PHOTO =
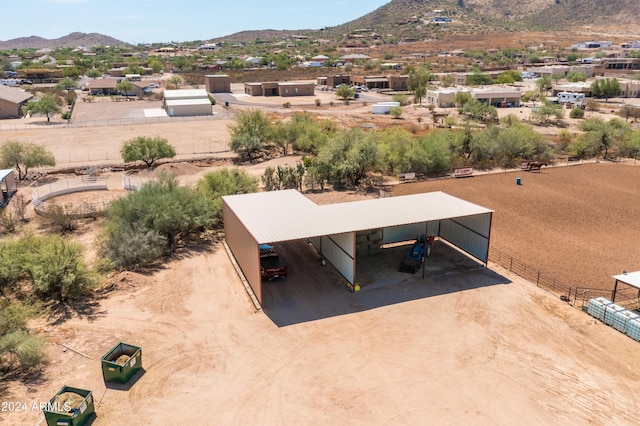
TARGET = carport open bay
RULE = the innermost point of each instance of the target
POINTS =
(312, 291)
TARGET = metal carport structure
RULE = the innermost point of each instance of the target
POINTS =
(632, 279)
(277, 216)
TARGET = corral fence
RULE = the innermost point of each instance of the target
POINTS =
(576, 296)
(129, 183)
(112, 122)
(42, 193)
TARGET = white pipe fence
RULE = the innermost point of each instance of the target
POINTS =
(41, 193)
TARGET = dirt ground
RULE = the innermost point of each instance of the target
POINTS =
(473, 347)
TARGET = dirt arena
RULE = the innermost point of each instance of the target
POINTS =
(480, 347)
(577, 223)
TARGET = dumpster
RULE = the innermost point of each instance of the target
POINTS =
(121, 363)
(70, 407)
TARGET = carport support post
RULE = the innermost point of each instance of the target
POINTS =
(615, 290)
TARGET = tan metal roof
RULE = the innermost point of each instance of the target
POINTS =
(14, 95)
(288, 215)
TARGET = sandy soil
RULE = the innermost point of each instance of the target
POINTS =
(485, 349)
(476, 347)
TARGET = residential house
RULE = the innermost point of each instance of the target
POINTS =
(107, 87)
(11, 101)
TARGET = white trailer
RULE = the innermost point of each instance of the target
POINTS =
(9, 81)
(570, 98)
(383, 107)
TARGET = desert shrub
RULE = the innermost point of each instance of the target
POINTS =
(330, 103)
(318, 102)
(576, 113)
(61, 218)
(212, 100)
(402, 98)
(65, 115)
(215, 185)
(130, 249)
(19, 205)
(8, 221)
(20, 351)
(57, 269)
(286, 105)
(396, 112)
(591, 104)
(163, 211)
(13, 316)
(279, 178)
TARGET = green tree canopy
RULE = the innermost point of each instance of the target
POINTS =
(146, 149)
(94, 73)
(175, 81)
(47, 105)
(477, 78)
(345, 92)
(418, 82)
(124, 86)
(24, 156)
(606, 88)
(215, 185)
(67, 84)
(250, 131)
(576, 76)
(600, 136)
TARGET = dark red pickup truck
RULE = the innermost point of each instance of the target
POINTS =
(271, 265)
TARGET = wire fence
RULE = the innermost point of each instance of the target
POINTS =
(578, 297)
(16, 126)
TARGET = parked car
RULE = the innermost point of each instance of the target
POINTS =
(153, 85)
(27, 82)
(271, 265)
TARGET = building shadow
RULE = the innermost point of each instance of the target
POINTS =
(126, 386)
(312, 292)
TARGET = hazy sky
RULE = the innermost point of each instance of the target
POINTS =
(142, 21)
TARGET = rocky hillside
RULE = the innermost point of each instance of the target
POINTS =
(70, 40)
(413, 19)
(404, 16)
(405, 19)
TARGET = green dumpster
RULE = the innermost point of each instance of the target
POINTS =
(70, 407)
(121, 363)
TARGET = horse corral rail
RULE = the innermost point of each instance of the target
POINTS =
(41, 193)
(576, 296)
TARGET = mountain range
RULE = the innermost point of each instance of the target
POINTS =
(404, 19)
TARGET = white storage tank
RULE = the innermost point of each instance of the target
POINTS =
(621, 320)
(610, 311)
(596, 307)
(633, 329)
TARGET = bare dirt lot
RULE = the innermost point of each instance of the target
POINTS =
(464, 346)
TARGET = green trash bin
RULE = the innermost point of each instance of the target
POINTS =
(69, 407)
(121, 363)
